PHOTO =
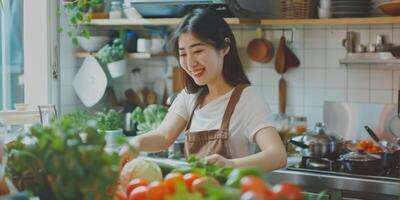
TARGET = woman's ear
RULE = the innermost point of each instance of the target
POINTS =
(227, 45)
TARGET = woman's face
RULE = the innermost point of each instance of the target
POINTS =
(200, 60)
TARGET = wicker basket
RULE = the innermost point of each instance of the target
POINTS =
(298, 9)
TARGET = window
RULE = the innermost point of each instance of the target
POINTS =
(11, 54)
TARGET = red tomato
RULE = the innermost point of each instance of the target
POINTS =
(189, 178)
(250, 195)
(156, 191)
(171, 180)
(139, 193)
(134, 183)
(256, 185)
(201, 184)
(120, 195)
(288, 191)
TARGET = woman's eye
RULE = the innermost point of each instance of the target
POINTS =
(198, 51)
(182, 55)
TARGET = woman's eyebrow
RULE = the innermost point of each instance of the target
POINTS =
(193, 45)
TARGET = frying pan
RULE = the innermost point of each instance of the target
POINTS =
(260, 49)
(394, 122)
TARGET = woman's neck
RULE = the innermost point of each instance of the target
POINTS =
(218, 88)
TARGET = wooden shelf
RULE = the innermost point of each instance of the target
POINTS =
(129, 55)
(160, 21)
(370, 58)
(333, 21)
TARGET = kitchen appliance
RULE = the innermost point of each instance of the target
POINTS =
(228, 8)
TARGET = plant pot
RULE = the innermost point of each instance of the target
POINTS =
(98, 11)
(111, 137)
(117, 69)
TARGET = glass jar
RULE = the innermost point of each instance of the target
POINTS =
(298, 125)
(115, 10)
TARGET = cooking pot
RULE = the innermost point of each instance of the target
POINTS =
(360, 162)
(317, 144)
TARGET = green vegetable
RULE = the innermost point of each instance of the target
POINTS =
(149, 118)
(237, 174)
(109, 120)
(202, 168)
(63, 161)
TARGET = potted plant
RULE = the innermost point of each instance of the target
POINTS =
(78, 13)
(110, 123)
(55, 162)
(114, 57)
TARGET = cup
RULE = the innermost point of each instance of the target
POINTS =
(144, 45)
(350, 42)
(360, 48)
(325, 4)
(157, 45)
(324, 13)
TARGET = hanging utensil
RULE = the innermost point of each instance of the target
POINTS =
(282, 95)
(260, 49)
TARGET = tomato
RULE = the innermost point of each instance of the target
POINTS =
(288, 190)
(171, 180)
(250, 195)
(134, 183)
(189, 178)
(201, 184)
(156, 191)
(120, 195)
(139, 193)
(256, 185)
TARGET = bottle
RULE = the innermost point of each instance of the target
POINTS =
(115, 10)
(131, 41)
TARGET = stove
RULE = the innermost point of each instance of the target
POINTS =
(334, 167)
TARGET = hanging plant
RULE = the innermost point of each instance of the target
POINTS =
(76, 12)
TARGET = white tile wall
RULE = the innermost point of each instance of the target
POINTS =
(319, 78)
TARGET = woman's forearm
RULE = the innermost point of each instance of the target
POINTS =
(152, 141)
(267, 160)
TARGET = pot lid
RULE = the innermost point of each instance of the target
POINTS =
(318, 135)
(360, 156)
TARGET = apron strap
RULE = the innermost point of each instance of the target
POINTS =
(231, 105)
(198, 101)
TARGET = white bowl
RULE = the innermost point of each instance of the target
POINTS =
(94, 43)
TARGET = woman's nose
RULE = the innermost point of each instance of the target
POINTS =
(191, 61)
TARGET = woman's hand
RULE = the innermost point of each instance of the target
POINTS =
(219, 160)
(128, 153)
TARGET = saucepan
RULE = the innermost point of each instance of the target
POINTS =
(330, 149)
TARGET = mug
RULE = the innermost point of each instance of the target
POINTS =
(157, 45)
(144, 45)
(350, 42)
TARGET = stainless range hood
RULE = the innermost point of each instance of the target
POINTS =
(227, 8)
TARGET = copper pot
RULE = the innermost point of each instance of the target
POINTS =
(260, 49)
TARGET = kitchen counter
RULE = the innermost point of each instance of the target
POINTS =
(340, 185)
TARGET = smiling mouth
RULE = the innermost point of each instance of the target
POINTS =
(198, 73)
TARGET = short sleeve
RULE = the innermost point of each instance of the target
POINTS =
(255, 113)
(180, 105)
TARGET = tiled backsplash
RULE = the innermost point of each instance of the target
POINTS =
(320, 77)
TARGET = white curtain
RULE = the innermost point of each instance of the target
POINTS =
(11, 53)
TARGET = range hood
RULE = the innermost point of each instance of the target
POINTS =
(227, 8)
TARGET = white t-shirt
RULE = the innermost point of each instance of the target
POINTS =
(250, 115)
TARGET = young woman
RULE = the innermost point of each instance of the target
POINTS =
(218, 110)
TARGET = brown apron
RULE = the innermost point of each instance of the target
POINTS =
(216, 141)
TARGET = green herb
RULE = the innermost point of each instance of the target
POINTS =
(113, 53)
(76, 13)
(149, 118)
(63, 162)
(109, 120)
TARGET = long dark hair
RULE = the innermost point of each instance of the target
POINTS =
(212, 29)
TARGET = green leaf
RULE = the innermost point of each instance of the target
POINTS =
(58, 13)
(79, 16)
(60, 29)
(75, 41)
(85, 33)
(69, 33)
